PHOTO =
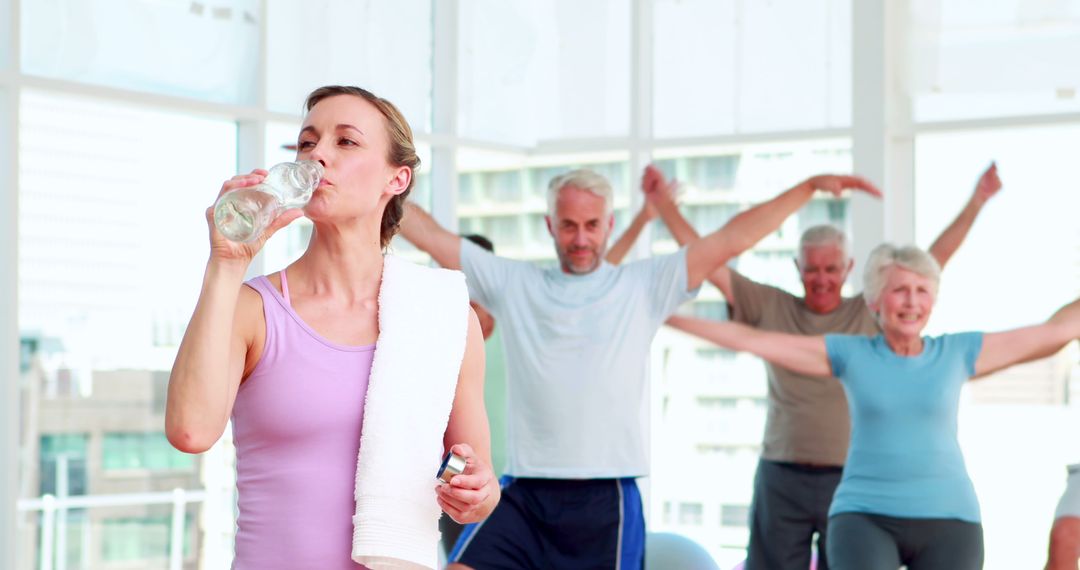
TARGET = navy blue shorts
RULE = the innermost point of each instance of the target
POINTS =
(558, 523)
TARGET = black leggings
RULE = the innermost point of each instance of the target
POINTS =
(861, 541)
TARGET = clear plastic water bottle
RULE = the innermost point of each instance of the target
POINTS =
(241, 215)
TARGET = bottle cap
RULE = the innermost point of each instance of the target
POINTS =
(452, 464)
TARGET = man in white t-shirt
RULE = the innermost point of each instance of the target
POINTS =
(576, 341)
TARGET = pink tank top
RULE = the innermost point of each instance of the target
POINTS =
(296, 425)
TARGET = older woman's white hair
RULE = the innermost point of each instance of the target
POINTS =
(585, 180)
(907, 257)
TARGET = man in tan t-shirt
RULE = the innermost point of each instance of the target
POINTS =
(807, 427)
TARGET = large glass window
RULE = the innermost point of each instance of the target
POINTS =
(970, 59)
(384, 47)
(1020, 263)
(533, 71)
(112, 230)
(726, 67)
(113, 244)
(199, 50)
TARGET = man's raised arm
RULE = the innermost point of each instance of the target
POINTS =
(746, 229)
(660, 193)
(425, 233)
(622, 246)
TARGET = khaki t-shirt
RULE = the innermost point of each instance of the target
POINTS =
(807, 419)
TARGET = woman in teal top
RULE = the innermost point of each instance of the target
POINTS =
(905, 496)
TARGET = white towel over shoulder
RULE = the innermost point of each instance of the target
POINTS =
(423, 323)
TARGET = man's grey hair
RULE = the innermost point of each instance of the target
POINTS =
(907, 257)
(584, 179)
(824, 235)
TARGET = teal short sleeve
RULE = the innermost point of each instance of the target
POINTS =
(970, 346)
(838, 347)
